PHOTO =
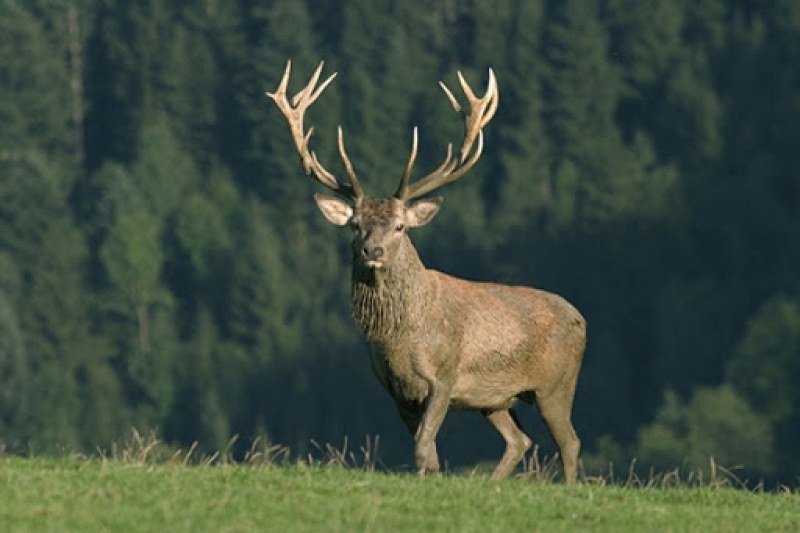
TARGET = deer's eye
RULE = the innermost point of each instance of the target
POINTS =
(399, 226)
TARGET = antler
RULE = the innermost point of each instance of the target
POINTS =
(293, 112)
(481, 112)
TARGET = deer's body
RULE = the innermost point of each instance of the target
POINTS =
(476, 345)
(438, 342)
(486, 343)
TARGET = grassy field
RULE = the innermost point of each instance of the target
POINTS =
(76, 494)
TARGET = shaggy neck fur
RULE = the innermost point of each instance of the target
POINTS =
(388, 301)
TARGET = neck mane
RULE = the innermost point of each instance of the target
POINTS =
(389, 301)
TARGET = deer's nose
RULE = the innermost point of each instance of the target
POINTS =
(372, 253)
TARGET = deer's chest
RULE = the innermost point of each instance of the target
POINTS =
(401, 373)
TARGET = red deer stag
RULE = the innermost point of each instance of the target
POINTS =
(435, 341)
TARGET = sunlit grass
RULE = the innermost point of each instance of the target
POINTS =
(143, 485)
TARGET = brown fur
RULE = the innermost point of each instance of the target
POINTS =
(438, 342)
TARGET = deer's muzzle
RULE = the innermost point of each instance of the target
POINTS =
(372, 253)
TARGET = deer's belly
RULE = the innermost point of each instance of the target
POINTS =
(484, 393)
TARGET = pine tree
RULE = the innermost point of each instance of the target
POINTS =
(764, 369)
(524, 184)
(35, 109)
(266, 159)
(14, 398)
(45, 305)
(46, 311)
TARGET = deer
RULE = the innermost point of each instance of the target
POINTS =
(438, 342)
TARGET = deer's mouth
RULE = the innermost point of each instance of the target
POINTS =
(373, 264)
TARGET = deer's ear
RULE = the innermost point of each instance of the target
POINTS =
(421, 212)
(337, 211)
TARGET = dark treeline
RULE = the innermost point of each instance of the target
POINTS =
(162, 265)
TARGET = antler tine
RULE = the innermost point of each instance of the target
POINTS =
(348, 166)
(493, 102)
(284, 83)
(293, 113)
(308, 94)
(449, 171)
(453, 100)
(402, 189)
(481, 111)
(465, 87)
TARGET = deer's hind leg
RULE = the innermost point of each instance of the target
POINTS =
(517, 442)
(556, 410)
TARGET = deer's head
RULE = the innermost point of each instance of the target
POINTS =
(379, 224)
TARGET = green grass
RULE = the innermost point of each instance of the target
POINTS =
(78, 494)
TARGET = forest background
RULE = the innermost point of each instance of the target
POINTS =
(163, 267)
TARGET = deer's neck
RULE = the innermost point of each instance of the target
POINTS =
(391, 300)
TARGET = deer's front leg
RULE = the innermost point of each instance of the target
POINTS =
(412, 417)
(435, 411)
